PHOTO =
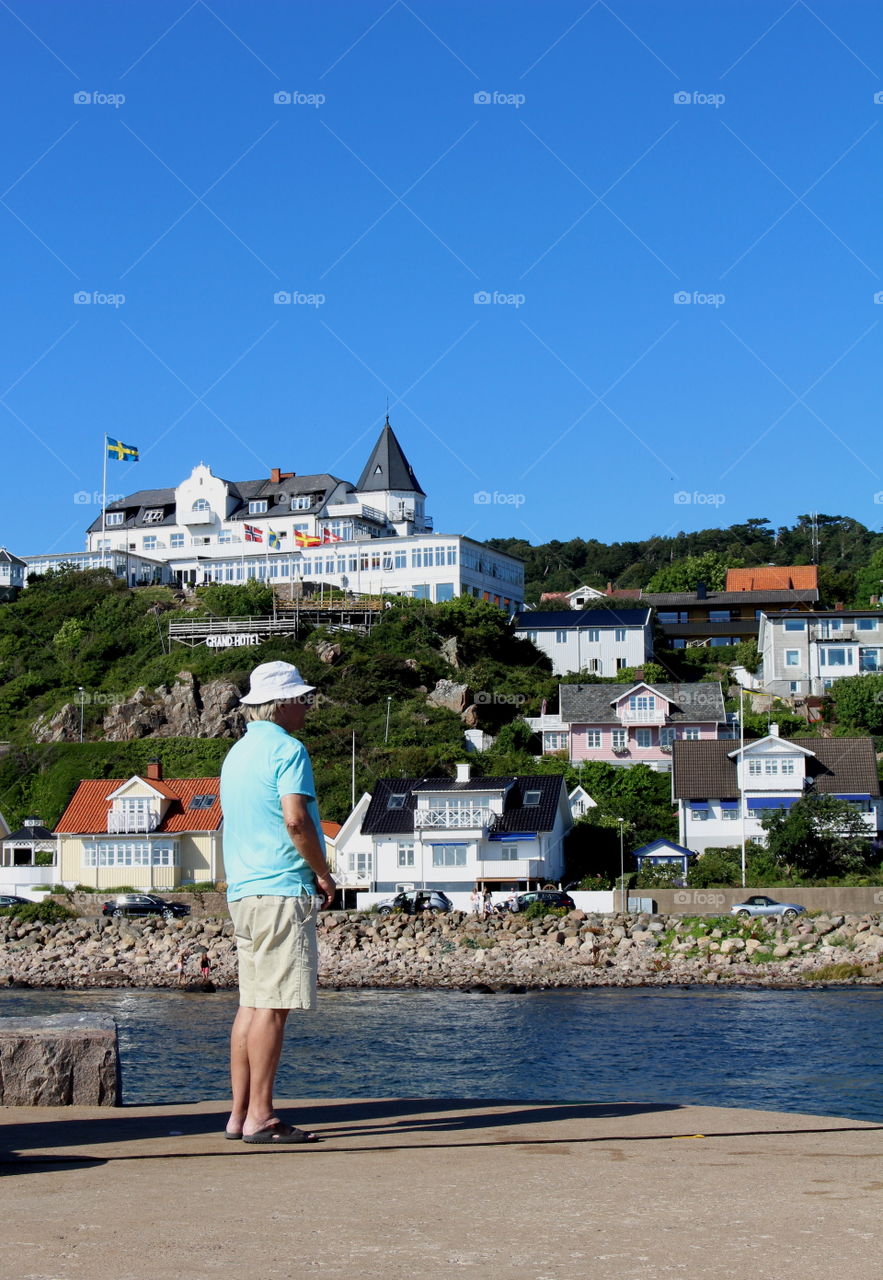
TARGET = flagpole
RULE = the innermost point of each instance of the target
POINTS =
(104, 503)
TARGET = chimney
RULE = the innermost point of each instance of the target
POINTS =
(154, 771)
(875, 600)
(774, 731)
(839, 606)
(701, 591)
(464, 772)
(277, 476)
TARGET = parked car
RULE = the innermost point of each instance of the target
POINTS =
(144, 904)
(760, 905)
(10, 900)
(414, 900)
(548, 897)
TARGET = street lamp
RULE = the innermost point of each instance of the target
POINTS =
(386, 732)
(622, 899)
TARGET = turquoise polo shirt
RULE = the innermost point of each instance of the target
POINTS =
(259, 855)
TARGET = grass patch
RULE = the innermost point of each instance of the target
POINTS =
(836, 973)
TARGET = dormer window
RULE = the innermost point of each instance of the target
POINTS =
(301, 503)
(531, 797)
(202, 801)
(257, 507)
(114, 517)
(642, 702)
(154, 515)
(396, 801)
(200, 504)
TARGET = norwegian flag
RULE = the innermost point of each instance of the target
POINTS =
(252, 534)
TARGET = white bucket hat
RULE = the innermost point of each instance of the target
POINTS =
(275, 680)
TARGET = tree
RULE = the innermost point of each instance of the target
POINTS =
(857, 702)
(869, 581)
(818, 836)
(685, 575)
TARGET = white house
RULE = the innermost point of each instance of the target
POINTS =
(601, 641)
(580, 802)
(28, 857)
(804, 653)
(12, 574)
(371, 538)
(716, 787)
(354, 853)
(452, 833)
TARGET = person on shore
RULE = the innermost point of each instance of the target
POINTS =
(205, 967)
(488, 903)
(274, 857)
(475, 901)
(181, 966)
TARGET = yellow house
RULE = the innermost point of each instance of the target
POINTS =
(150, 832)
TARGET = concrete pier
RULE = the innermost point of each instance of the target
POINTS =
(439, 1188)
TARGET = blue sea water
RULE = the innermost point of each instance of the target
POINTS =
(812, 1051)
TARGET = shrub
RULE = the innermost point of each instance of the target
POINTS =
(39, 912)
(538, 910)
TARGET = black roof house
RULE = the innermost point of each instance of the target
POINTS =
(391, 811)
(388, 468)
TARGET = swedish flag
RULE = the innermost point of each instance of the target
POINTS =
(121, 452)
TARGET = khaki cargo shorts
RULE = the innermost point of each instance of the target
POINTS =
(277, 951)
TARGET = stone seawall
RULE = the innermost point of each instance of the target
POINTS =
(457, 951)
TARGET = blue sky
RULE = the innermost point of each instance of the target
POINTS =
(484, 212)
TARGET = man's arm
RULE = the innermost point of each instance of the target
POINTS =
(305, 839)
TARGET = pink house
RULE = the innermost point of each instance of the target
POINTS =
(632, 724)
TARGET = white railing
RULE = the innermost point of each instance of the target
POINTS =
(452, 819)
(522, 869)
(642, 717)
(132, 823)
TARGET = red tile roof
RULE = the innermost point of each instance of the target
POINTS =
(86, 814)
(786, 577)
(331, 829)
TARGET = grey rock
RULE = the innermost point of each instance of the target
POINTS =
(449, 694)
(59, 1060)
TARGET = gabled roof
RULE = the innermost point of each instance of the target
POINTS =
(706, 770)
(6, 557)
(516, 816)
(774, 577)
(595, 703)
(387, 467)
(86, 814)
(570, 619)
(670, 599)
(30, 833)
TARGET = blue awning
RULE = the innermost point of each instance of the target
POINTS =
(768, 802)
(855, 799)
(435, 844)
(509, 836)
(698, 804)
(729, 804)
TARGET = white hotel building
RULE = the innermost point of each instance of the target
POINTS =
(374, 537)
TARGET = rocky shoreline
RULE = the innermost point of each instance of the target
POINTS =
(361, 950)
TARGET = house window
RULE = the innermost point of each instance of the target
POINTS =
(593, 664)
(620, 664)
(444, 591)
(361, 863)
(644, 737)
(148, 542)
(729, 815)
(795, 624)
(619, 739)
(508, 852)
(302, 503)
(554, 741)
(792, 657)
(561, 637)
(449, 855)
(794, 686)
(829, 657)
(396, 801)
(400, 559)
(673, 615)
(699, 810)
(532, 636)
(114, 517)
(129, 853)
(642, 702)
(176, 540)
(866, 624)
(788, 766)
(531, 797)
(405, 854)
(257, 507)
(755, 768)
(667, 737)
(593, 739)
(719, 615)
(770, 767)
(691, 734)
(869, 659)
(593, 635)
(199, 505)
(619, 635)
(154, 516)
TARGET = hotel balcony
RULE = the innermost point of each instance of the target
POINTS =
(453, 819)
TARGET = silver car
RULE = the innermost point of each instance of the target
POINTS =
(759, 905)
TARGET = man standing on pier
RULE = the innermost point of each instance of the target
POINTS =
(274, 859)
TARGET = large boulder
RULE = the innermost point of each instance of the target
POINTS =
(450, 695)
(64, 726)
(139, 716)
(221, 713)
(181, 707)
(60, 1060)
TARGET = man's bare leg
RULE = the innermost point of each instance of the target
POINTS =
(255, 1049)
(240, 1075)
